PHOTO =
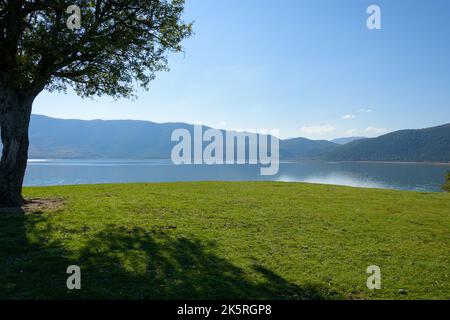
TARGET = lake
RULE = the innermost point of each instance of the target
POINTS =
(402, 176)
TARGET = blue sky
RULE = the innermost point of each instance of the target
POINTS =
(307, 68)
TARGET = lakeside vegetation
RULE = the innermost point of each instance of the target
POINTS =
(248, 240)
(446, 186)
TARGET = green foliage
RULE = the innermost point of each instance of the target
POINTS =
(446, 186)
(228, 240)
(120, 44)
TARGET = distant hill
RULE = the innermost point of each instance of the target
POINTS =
(430, 144)
(114, 139)
(347, 140)
(302, 148)
(131, 139)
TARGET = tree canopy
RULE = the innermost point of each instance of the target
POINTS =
(97, 47)
(120, 44)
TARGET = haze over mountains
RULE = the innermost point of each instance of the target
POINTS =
(131, 139)
(347, 140)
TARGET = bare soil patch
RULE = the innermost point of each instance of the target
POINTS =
(36, 206)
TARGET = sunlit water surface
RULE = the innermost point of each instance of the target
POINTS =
(404, 176)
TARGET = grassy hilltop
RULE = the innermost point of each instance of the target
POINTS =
(228, 240)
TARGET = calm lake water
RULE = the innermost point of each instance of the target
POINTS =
(421, 177)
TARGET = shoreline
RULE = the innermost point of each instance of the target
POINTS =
(394, 162)
(368, 161)
(37, 160)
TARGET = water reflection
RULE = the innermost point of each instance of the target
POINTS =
(423, 177)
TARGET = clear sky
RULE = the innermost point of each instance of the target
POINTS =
(305, 67)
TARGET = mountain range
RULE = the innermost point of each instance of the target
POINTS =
(133, 139)
(430, 144)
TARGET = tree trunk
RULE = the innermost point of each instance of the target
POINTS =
(15, 113)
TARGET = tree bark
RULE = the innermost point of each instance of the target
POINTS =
(15, 113)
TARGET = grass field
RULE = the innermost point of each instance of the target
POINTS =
(249, 240)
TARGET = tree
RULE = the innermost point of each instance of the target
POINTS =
(118, 45)
(446, 186)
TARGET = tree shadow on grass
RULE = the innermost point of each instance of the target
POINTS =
(128, 263)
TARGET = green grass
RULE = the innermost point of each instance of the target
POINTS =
(250, 240)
